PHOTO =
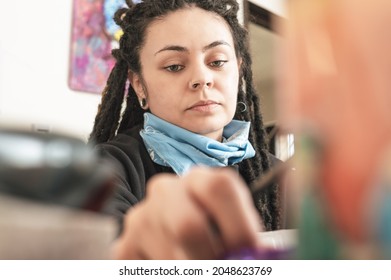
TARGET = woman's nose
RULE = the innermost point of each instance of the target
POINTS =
(201, 77)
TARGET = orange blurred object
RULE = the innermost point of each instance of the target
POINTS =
(336, 84)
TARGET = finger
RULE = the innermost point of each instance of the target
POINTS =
(143, 236)
(185, 223)
(125, 246)
(224, 195)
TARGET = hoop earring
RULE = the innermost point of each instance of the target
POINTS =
(143, 103)
(244, 106)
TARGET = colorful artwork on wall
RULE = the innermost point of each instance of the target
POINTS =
(94, 34)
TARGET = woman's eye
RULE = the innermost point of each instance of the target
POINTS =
(218, 63)
(174, 68)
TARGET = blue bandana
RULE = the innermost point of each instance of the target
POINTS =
(170, 145)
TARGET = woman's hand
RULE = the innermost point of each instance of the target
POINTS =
(202, 215)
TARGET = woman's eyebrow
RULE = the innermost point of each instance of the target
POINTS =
(172, 48)
(215, 44)
(178, 48)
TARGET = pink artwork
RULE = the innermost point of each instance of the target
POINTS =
(94, 34)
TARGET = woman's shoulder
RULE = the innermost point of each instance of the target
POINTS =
(125, 147)
(128, 148)
(128, 141)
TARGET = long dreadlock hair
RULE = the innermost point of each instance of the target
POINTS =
(111, 119)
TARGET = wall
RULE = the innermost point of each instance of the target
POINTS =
(34, 54)
(263, 44)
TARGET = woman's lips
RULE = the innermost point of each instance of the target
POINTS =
(204, 106)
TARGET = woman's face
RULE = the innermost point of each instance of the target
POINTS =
(190, 72)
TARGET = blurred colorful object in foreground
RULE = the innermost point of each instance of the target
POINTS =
(336, 90)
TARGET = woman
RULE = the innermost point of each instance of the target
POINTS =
(189, 73)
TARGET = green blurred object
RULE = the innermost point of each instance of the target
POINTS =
(316, 238)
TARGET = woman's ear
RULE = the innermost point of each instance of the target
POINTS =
(137, 85)
(240, 67)
(240, 60)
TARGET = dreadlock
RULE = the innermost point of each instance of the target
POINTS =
(108, 122)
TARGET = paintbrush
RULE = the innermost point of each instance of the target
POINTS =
(274, 175)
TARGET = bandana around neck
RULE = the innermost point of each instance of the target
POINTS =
(180, 149)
